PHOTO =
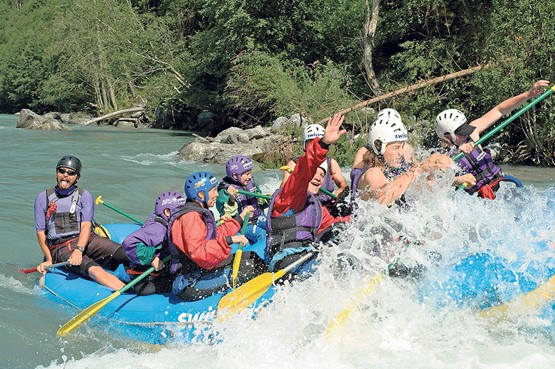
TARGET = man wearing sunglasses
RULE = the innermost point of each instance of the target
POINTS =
(63, 220)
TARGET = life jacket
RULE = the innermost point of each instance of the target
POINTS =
(63, 215)
(243, 200)
(327, 184)
(392, 173)
(148, 237)
(480, 163)
(356, 175)
(180, 263)
(293, 230)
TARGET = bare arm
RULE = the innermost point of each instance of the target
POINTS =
(337, 177)
(506, 107)
(291, 164)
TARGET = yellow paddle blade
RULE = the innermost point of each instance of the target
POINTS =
(242, 297)
(235, 270)
(285, 167)
(524, 304)
(346, 313)
(86, 314)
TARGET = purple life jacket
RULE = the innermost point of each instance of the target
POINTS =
(152, 233)
(66, 221)
(180, 262)
(293, 230)
(243, 200)
(480, 163)
(327, 184)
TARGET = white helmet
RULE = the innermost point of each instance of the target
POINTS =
(324, 166)
(386, 130)
(389, 114)
(447, 122)
(312, 131)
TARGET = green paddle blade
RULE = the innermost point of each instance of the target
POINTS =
(86, 314)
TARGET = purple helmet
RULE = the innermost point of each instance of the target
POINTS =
(238, 164)
(199, 182)
(168, 200)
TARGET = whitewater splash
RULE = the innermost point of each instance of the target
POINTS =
(401, 323)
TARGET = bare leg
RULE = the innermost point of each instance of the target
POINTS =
(104, 278)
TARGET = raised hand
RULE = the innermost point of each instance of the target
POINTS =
(333, 129)
(538, 88)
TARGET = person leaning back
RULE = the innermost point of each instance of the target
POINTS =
(63, 221)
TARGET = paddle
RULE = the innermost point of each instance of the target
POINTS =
(255, 194)
(323, 190)
(524, 109)
(242, 297)
(522, 304)
(362, 293)
(33, 270)
(93, 309)
(238, 254)
(100, 201)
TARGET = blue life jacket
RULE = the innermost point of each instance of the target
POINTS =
(292, 232)
(66, 221)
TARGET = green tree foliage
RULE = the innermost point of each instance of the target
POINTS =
(247, 62)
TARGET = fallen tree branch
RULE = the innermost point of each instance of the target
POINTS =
(411, 88)
(115, 114)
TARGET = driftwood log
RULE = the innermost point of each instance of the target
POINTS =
(412, 88)
(115, 114)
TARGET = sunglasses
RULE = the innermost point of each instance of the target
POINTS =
(69, 172)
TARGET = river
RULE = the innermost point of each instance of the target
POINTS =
(393, 329)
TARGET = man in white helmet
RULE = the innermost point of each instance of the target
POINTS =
(388, 173)
(452, 128)
(332, 176)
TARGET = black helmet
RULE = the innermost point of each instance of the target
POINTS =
(70, 161)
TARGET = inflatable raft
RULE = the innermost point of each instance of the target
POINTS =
(152, 319)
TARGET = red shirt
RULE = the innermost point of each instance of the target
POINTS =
(294, 195)
(189, 235)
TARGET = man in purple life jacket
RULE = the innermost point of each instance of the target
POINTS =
(63, 220)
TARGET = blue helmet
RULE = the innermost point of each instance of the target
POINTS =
(199, 182)
(168, 200)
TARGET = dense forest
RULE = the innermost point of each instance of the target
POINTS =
(243, 63)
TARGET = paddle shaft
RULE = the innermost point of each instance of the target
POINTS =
(509, 120)
(238, 254)
(254, 194)
(100, 201)
(93, 309)
(33, 270)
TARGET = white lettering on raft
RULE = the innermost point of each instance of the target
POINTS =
(205, 316)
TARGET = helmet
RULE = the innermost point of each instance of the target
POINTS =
(324, 166)
(386, 130)
(390, 114)
(312, 131)
(447, 122)
(199, 182)
(69, 161)
(238, 164)
(168, 200)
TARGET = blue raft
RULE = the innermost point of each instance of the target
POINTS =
(152, 319)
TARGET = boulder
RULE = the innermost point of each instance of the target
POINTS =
(218, 151)
(31, 120)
